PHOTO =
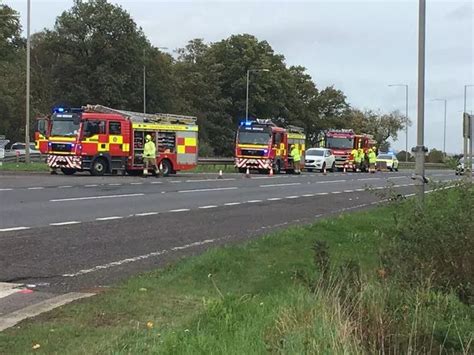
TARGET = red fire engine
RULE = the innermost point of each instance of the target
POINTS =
(261, 145)
(342, 142)
(104, 140)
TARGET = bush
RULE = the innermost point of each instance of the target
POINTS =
(433, 243)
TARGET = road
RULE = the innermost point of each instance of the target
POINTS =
(68, 234)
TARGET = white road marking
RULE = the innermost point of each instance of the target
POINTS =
(146, 214)
(175, 181)
(64, 223)
(115, 184)
(232, 203)
(206, 190)
(136, 183)
(108, 218)
(180, 210)
(274, 199)
(397, 177)
(254, 201)
(7, 289)
(137, 258)
(36, 188)
(207, 207)
(91, 185)
(336, 192)
(206, 180)
(157, 182)
(348, 190)
(276, 185)
(14, 229)
(94, 197)
(359, 190)
(367, 179)
(322, 193)
(64, 187)
(330, 182)
(291, 197)
(308, 195)
(6, 189)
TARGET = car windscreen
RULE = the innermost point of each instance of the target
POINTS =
(64, 127)
(340, 143)
(385, 157)
(315, 152)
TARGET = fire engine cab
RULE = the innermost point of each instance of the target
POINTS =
(261, 145)
(105, 140)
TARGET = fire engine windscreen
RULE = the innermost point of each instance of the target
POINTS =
(254, 135)
(340, 143)
(64, 125)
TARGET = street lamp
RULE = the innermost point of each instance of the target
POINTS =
(247, 97)
(444, 136)
(27, 124)
(406, 117)
(144, 77)
(465, 96)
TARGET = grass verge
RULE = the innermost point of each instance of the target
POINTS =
(23, 167)
(268, 295)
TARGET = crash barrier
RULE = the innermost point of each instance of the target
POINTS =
(20, 158)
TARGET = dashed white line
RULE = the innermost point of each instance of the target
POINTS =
(6, 189)
(322, 193)
(330, 182)
(254, 201)
(207, 207)
(336, 192)
(367, 179)
(64, 223)
(207, 180)
(157, 182)
(91, 185)
(359, 190)
(175, 181)
(348, 190)
(146, 214)
(36, 188)
(291, 197)
(64, 187)
(108, 218)
(308, 195)
(206, 190)
(94, 197)
(274, 199)
(136, 183)
(276, 185)
(14, 229)
(115, 184)
(180, 210)
(232, 203)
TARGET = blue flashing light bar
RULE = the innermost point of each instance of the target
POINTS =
(67, 110)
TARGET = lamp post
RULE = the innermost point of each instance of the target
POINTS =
(247, 96)
(406, 117)
(444, 135)
(144, 77)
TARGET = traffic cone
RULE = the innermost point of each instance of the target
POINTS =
(220, 174)
(324, 170)
(247, 173)
(344, 170)
(271, 171)
(161, 169)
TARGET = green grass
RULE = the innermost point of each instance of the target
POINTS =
(24, 167)
(253, 298)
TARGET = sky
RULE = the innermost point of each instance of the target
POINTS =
(360, 47)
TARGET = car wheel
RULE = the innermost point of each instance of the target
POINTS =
(68, 171)
(323, 167)
(167, 168)
(99, 167)
(333, 167)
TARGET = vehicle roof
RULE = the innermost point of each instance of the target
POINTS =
(318, 148)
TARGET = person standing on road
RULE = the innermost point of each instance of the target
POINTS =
(361, 159)
(372, 160)
(295, 154)
(149, 156)
(355, 158)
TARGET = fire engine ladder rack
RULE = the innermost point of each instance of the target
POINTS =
(164, 118)
(295, 129)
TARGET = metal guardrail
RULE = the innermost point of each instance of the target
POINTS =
(35, 158)
(216, 161)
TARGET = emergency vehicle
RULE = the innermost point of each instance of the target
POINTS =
(341, 142)
(105, 140)
(261, 145)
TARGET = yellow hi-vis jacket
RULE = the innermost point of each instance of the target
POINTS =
(295, 154)
(150, 150)
(355, 155)
(372, 158)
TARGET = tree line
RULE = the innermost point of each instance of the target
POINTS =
(96, 53)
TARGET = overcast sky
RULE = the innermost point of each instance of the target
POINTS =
(358, 46)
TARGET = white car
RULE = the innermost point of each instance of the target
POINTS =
(20, 148)
(461, 167)
(319, 159)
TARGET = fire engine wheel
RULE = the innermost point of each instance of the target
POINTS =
(277, 169)
(167, 168)
(99, 167)
(242, 170)
(68, 171)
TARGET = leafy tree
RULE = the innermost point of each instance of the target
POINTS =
(435, 156)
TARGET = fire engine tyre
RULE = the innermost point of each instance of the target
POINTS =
(68, 171)
(277, 169)
(99, 167)
(242, 170)
(167, 167)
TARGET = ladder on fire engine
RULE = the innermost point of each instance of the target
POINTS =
(163, 118)
(295, 129)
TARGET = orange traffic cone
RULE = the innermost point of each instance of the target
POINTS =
(220, 174)
(271, 171)
(247, 173)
